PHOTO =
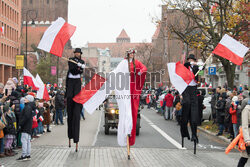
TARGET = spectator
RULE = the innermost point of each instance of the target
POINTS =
(177, 106)
(10, 85)
(169, 98)
(246, 135)
(228, 123)
(46, 116)
(59, 106)
(220, 107)
(2, 125)
(233, 113)
(200, 106)
(26, 127)
(9, 130)
(213, 105)
(40, 118)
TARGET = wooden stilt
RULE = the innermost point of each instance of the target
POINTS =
(128, 147)
(182, 142)
(194, 146)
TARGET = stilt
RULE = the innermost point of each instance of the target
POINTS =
(76, 147)
(194, 146)
(182, 142)
(128, 147)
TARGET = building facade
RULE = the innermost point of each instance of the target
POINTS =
(47, 10)
(10, 22)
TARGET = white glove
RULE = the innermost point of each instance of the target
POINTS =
(200, 68)
(191, 62)
(83, 66)
(79, 64)
(139, 73)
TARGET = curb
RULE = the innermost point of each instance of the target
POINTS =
(214, 134)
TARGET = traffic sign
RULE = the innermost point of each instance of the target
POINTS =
(211, 70)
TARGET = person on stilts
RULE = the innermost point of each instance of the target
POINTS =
(73, 87)
(190, 105)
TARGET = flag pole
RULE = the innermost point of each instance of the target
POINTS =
(69, 60)
(128, 147)
(204, 63)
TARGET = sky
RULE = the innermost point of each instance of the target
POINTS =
(102, 20)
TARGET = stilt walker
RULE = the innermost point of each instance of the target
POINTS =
(73, 87)
(137, 78)
(190, 105)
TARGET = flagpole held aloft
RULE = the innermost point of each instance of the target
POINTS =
(69, 60)
(204, 63)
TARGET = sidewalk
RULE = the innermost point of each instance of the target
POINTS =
(56, 156)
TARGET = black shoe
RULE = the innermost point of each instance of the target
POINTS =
(48, 130)
(22, 158)
(83, 118)
(28, 157)
(62, 123)
(218, 134)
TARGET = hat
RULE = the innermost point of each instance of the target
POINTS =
(132, 50)
(78, 50)
(15, 80)
(191, 56)
(235, 98)
(29, 98)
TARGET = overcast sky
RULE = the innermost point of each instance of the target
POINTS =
(103, 20)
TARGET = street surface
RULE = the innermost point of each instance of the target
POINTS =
(159, 144)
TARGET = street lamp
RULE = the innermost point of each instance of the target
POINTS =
(32, 14)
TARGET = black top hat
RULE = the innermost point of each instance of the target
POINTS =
(191, 56)
(78, 50)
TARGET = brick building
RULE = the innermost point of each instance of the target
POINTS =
(10, 20)
(47, 10)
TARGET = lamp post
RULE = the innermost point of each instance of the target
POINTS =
(33, 17)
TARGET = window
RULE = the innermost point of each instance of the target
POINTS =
(31, 1)
(47, 1)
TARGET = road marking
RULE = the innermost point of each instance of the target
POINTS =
(165, 135)
(99, 125)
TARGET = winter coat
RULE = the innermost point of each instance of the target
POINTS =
(245, 116)
(220, 107)
(200, 108)
(233, 113)
(26, 119)
(59, 101)
(169, 98)
(10, 127)
(46, 114)
(227, 107)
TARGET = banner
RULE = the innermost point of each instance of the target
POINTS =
(53, 70)
(19, 61)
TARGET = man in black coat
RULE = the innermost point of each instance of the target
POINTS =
(25, 127)
(59, 106)
(190, 103)
(73, 87)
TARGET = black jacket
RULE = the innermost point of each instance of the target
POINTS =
(9, 128)
(195, 69)
(59, 101)
(26, 119)
(73, 68)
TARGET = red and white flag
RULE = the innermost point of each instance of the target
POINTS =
(231, 50)
(37, 111)
(42, 93)
(2, 29)
(41, 118)
(29, 80)
(56, 36)
(180, 76)
(99, 88)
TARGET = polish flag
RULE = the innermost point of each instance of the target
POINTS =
(37, 111)
(29, 80)
(42, 93)
(180, 76)
(126, 91)
(41, 118)
(2, 29)
(56, 36)
(231, 50)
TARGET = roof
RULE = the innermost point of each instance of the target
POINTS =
(123, 34)
(116, 49)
